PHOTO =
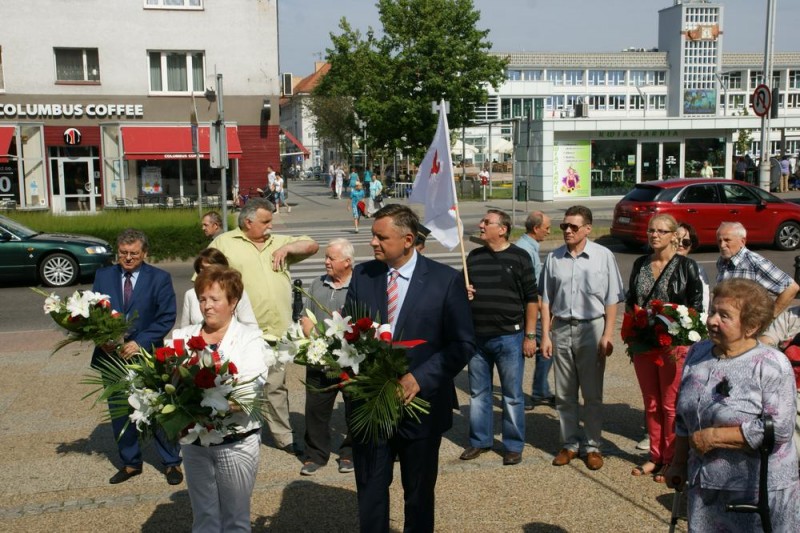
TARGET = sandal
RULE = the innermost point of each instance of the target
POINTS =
(661, 475)
(644, 470)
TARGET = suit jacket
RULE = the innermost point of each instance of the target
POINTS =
(435, 310)
(153, 300)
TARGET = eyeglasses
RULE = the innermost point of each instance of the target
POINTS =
(488, 222)
(651, 231)
(572, 227)
(685, 243)
(132, 255)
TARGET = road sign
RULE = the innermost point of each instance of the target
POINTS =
(762, 100)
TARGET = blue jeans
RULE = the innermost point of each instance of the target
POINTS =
(541, 388)
(504, 352)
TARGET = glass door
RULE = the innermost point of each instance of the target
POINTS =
(76, 189)
(650, 163)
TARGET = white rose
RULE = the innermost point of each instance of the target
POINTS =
(694, 336)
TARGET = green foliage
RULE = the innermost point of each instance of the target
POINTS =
(430, 50)
(745, 138)
(174, 234)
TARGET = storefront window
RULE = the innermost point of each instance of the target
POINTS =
(613, 167)
(699, 150)
(33, 170)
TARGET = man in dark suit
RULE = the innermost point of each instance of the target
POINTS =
(145, 292)
(428, 302)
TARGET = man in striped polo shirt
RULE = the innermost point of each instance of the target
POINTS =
(503, 298)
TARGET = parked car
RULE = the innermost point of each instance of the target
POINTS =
(705, 204)
(54, 259)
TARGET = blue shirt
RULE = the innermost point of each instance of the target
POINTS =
(750, 265)
(531, 245)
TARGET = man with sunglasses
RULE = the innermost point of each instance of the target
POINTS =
(145, 294)
(504, 304)
(580, 289)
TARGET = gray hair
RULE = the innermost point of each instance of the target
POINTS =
(131, 235)
(736, 227)
(533, 221)
(248, 212)
(214, 217)
(345, 247)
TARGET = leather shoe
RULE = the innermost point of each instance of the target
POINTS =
(594, 461)
(512, 458)
(564, 457)
(174, 475)
(471, 453)
(124, 475)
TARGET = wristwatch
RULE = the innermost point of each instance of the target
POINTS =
(530, 336)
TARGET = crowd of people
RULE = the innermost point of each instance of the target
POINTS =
(704, 405)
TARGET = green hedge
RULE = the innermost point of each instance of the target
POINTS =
(174, 234)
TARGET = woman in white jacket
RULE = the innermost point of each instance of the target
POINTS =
(191, 307)
(220, 477)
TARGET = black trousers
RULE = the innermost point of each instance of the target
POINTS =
(374, 469)
(319, 409)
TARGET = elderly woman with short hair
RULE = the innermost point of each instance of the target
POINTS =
(729, 383)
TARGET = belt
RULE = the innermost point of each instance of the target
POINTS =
(575, 321)
(230, 439)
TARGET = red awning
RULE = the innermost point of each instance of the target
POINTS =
(295, 142)
(168, 142)
(6, 133)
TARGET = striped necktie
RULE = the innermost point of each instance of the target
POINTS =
(127, 290)
(392, 296)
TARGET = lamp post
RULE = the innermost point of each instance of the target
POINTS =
(763, 168)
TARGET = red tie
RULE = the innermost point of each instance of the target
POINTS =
(127, 290)
(392, 296)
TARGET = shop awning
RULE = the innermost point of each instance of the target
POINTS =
(295, 142)
(6, 133)
(168, 142)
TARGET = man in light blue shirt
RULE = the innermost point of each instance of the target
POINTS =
(537, 228)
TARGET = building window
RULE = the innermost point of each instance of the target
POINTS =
(635, 102)
(733, 80)
(657, 101)
(532, 75)
(77, 64)
(794, 78)
(793, 101)
(513, 75)
(173, 4)
(616, 77)
(616, 101)
(757, 78)
(556, 77)
(573, 77)
(176, 72)
(597, 102)
(597, 77)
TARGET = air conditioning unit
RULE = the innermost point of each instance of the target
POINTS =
(287, 84)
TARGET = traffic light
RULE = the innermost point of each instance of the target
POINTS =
(776, 96)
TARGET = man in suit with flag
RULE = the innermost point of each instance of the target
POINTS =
(425, 300)
(144, 293)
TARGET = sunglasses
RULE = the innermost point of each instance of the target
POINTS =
(572, 227)
(659, 231)
(685, 243)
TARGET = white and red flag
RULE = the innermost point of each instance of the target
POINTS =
(435, 188)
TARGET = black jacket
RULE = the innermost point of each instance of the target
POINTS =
(684, 286)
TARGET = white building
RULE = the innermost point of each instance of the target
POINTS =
(605, 121)
(96, 99)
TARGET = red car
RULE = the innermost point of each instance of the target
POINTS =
(705, 204)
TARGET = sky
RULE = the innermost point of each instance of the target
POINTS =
(537, 26)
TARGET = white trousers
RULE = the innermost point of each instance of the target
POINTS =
(220, 480)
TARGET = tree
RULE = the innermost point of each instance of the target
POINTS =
(744, 137)
(333, 120)
(430, 50)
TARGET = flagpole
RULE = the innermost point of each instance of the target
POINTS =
(461, 244)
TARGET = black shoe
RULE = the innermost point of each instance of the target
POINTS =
(512, 458)
(124, 475)
(471, 453)
(291, 449)
(174, 475)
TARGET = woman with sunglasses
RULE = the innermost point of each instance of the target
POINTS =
(688, 241)
(667, 276)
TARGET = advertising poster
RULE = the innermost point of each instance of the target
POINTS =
(699, 102)
(151, 180)
(571, 165)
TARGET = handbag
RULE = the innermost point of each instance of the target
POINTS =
(378, 198)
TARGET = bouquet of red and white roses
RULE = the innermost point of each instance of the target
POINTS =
(188, 390)
(87, 316)
(362, 354)
(657, 328)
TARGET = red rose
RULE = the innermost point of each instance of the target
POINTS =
(115, 314)
(640, 319)
(232, 368)
(178, 345)
(664, 340)
(162, 354)
(193, 360)
(657, 305)
(204, 379)
(104, 303)
(693, 312)
(364, 324)
(196, 343)
(351, 336)
(386, 336)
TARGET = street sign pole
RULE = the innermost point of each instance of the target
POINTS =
(196, 150)
(763, 168)
(219, 152)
